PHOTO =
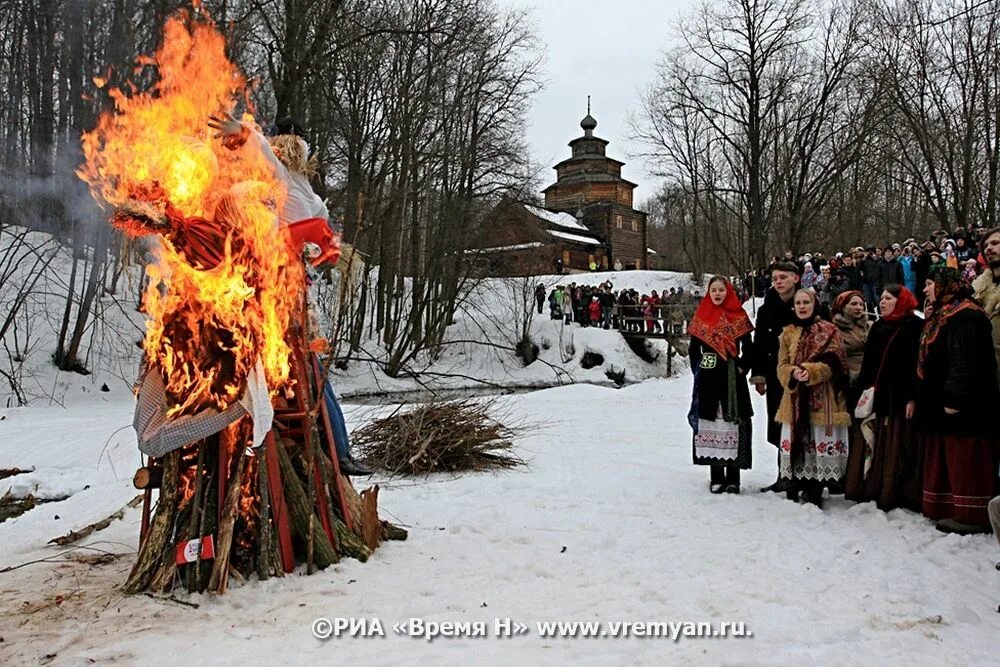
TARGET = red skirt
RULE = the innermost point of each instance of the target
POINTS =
(960, 477)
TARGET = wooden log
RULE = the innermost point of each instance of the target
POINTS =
(371, 528)
(299, 511)
(391, 531)
(264, 563)
(160, 530)
(196, 520)
(207, 523)
(219, 580)
(350, 544)
(324, 487)
(279, 508)
(353, 503)
(325, 470)
(148, 477)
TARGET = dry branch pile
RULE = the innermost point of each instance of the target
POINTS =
(445, 436)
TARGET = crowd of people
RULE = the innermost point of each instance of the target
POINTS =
(893, 409)
(623, 310)
(869, 269)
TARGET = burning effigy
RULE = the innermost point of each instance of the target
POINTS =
(230, 401)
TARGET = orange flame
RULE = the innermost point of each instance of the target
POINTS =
(223, 288)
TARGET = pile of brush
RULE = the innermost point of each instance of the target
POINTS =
(444, 436)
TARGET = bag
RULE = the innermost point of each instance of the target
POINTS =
(866, 404)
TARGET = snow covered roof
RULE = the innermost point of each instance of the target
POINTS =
(561, 219)
(574, 237)
(505, 248)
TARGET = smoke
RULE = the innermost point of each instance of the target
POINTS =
(54, 203)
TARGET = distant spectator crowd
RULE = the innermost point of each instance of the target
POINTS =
(870, 268)
(624, 310)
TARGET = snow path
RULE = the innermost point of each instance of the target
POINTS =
(611, 522)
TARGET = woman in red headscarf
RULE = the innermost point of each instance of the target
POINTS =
(720, 409)
(887, 464)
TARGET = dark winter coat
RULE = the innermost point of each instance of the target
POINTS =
(773, 316)
(897, 385)
(921, 269)
(871, 270)
(838, 283)
(960, 373)
(853, 276)
(713, 379)
(970, 251)
(890, 273)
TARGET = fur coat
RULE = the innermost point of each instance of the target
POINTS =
(987, 295)
(829, 406)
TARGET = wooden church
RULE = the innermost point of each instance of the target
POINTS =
(588, 219)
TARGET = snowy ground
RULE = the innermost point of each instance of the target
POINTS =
(610, 522)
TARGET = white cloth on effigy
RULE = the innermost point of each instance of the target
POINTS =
(159, 434)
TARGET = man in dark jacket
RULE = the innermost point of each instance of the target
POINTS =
(871, 272)
(921, 269)
(607, 306)
(851, 272)
(839, 283)
(775, 314)
(890, 272)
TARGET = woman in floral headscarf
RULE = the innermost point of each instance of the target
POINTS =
(720, 410)
(957, 398)
(812, 367)
(886, 462)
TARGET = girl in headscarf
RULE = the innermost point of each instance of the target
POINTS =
(812, 367)
(720, 411)
(808, 275)
(886, 463)
(957, 399)
(851, 319)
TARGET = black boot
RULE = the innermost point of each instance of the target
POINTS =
(792, 491)
(351, 468)
(814, 493)
(732, 479)
(779, 486)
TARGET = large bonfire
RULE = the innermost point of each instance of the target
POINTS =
(226, 346)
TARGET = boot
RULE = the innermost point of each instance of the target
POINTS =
(779, 486)
(351, 468)
(792, 493)
(814, 494)
(959, 528)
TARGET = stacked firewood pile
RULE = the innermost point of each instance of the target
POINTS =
(222, 508)
(444, 436)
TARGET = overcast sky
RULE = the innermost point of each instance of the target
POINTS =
(607, 49)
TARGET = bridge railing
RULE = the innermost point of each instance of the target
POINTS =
(668, 318)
